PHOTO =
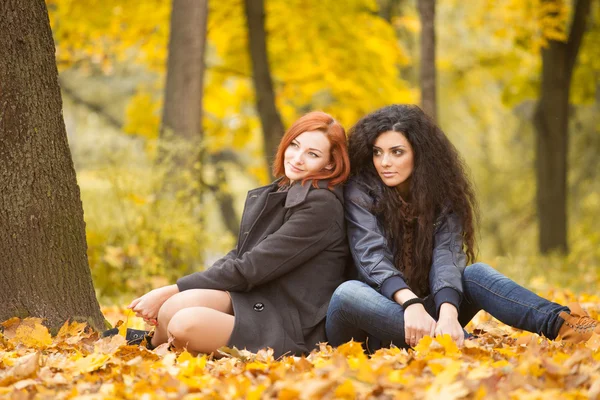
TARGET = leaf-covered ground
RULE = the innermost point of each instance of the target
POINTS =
(499, 363)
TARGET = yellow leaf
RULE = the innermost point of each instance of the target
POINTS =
(345, 390)
(288, 394)
(70, 329)
(507, 352)
(185, 356)
(481, 393)
(449, 373)
(401, 377)
(452, 391)
(257, 366)
(90, 363)
(501, 364)
(32, 333)
(351, 348)
(450, 348)
(109, 345)
(423, 346)
(255, 393)
(129, 314)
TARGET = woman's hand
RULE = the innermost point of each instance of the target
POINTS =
(147, 306)
(448, 324)
(417, 323)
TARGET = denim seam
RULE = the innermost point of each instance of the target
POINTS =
(506, 298)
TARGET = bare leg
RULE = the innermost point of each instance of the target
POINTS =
(201, 329)
(214, 299)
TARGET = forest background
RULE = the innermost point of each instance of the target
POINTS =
(151, 217)
(172, 111)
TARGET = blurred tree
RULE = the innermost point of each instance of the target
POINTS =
(551, 121)
(388, 9)
(182, 105)
(427, 75)
(43, 258)
(272, 126)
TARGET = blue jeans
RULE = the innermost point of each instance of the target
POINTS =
(359, 312)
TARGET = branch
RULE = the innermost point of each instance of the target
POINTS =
(91, 106)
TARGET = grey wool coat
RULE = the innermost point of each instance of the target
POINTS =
(290, 257)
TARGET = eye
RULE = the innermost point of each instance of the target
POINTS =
(314, 155)
(294, 144)
(376, 152)
(398, 152)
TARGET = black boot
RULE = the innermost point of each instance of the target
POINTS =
(133, 336)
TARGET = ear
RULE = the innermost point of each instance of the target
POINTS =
(329, 167)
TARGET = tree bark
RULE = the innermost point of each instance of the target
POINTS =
(427, 68)
(270, 119)
(182, 109)
(551, 122)
(44, 270)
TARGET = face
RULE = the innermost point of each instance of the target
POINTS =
(393, 159)
(307, 154)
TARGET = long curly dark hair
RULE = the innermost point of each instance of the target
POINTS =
(439, 185)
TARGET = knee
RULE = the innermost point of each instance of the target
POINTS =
(476, 270)
(169, 308)
(346, 292)
(183, 323)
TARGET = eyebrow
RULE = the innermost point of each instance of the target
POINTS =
(312, 148)
(391, 148)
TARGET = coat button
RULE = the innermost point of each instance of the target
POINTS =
(259, 307)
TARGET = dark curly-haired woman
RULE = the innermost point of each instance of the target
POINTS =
(410, 216)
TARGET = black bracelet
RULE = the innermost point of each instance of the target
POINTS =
(410, 302)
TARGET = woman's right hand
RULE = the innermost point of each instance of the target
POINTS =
(147, 306)
(417, 323)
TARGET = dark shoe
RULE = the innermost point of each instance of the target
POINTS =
(578, 326)
(133, 336)
(110, 332)
(137, 336)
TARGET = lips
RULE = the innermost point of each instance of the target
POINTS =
(388, 174)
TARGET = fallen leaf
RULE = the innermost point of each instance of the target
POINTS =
(31, 333)
(23, 368)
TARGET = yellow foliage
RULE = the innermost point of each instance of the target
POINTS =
(78, 363)
(143, 116)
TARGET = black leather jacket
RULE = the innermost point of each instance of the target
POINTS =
(374, 259)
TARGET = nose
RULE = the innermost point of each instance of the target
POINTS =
(298, 158)
(385, 161)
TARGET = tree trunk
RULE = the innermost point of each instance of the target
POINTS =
(427, 75)
(182, 109)
(388, 9)
(44, 270)
(272, 125)
(551, 122)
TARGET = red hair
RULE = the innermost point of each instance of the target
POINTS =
(323, 122)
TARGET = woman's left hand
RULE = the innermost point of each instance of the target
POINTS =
(148, 305)
(448, 324)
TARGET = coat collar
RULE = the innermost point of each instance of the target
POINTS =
(298, 192)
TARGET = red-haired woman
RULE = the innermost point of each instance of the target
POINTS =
(264, 293)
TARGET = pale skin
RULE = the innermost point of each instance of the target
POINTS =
(393, 159)
(202, 320)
